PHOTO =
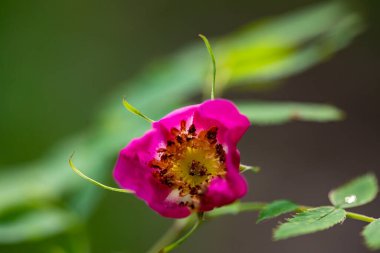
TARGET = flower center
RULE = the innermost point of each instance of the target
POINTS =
(189, 162)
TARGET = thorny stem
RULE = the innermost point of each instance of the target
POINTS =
(179, 226)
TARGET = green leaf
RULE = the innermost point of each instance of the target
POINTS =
(235, 208)
(71, 243)
(35, 224)
(276, 208)
(264, 51)
(270, 113)
(371, 235)
(357, 192)
(310, 221)
(244, 168)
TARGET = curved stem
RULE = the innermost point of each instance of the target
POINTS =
(209, 49)
(79, 173)
(135, 111)
(172, 234)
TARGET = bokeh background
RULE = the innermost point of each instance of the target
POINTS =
(60, 61)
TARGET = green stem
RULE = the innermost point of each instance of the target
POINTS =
(172, 234)
(361, 217)
(135, 111)
(94, 182)
(211, 53)
(182, 239)
(350, 215)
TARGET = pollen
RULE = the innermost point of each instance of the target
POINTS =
(188, 162)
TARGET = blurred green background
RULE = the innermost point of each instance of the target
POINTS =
(65, 65)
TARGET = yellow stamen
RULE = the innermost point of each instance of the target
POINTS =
(189, 162)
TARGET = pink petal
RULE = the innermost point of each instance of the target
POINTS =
(173, 119)
(224, 115)
(132, 165)
(223, 191)
(132, 172)
(159, 203)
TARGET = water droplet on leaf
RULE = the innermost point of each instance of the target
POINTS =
(350, 199)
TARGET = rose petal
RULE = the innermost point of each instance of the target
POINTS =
(224, 115)
(223, 191)
(173, 119)
(132, 165)
(132, 172)
(160, 204)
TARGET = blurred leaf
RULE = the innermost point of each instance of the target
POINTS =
(371, 235)
(73, 241)
(276, 208)
(270, 113)
(359, 191)
(310, 221)
(35, 224)
(276, 48)
(244, 168)
(235, 208)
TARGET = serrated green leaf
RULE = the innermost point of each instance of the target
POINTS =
(276, 208)
(371, 234)
(271, 113)
(310, 221)
(357, 192)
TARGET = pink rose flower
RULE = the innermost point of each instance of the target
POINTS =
(188, 162)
